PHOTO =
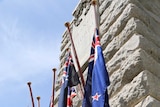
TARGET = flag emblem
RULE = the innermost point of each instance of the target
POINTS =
(96, 97)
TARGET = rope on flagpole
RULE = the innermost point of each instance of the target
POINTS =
(67, 24)
(29, 85)
(38, 99)
(54, 73)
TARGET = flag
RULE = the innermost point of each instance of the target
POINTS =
(69, 99)
(100, 78)
(96, 94)
(87, 101)
(71, 95)
(73, 92)
(70, 78)
(72, 74)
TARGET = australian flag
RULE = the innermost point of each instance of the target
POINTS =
(96, 94)
(70, 78)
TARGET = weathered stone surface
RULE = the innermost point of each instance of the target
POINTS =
(131, 10)
(149, 101)
(82, 9)
(104, 5)
(135, 42)
(110, 15)
(124, 72)
(121, 39)
(141, 86)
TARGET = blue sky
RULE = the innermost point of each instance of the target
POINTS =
(30, 37)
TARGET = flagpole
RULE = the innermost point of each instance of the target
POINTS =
(54, 73)
(29, 85)
(38, 99)
(79, 86)
(67, 24)
(94, 3)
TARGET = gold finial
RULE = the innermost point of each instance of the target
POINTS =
(67, 49)
(38, 97)
(54, 69)
(94, 2)
(29, 83)
(67, 24)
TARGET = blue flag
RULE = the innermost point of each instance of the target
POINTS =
(96, 94)
(62, 102)
(100, 78)
(70, 78)
(87, 101)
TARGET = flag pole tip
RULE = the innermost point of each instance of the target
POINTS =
(38, 97)
(29, 83)
(54, 69)
(67, 24)
(67, 49)
(94, 2)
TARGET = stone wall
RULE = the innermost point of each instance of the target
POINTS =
(130, 38)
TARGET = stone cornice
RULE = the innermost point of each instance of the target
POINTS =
(81, 9)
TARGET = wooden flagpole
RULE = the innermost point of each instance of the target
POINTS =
(38, 99)
(94, 3)
(54, 75)
(67, 24)
(29, 85)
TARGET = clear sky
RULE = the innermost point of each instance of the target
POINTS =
(30, 37)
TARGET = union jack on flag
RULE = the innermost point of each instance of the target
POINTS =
(70, 78)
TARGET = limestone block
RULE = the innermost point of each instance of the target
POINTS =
(149, 33)
(132, 26)
(131, 10)
(152, 8)
(120, 23)
(125, 72)
(129, 68)
(124, 53)
(127, 62)
(121, 39)
(149, 101)
(141, 86)
(150, 64)
(104, 5)
(111, 14)
(150, 48)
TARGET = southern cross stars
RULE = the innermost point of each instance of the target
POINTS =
(96, 97)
